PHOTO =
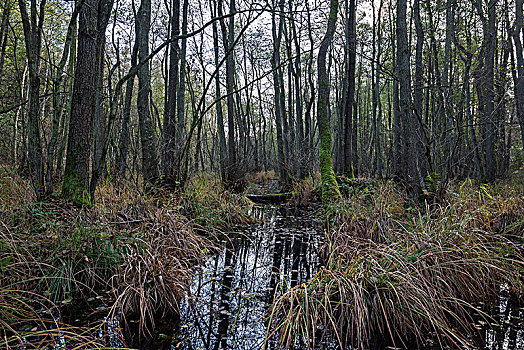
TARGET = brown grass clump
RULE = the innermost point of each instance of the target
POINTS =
(305, 191)
(401, 273)
(133, 250)
(14, 191)
(157, 271)
(261, 177)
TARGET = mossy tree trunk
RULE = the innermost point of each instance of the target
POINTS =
(147, 131)
(330, 190)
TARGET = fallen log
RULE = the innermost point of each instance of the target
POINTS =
(270, 198)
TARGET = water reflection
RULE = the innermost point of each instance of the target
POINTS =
(507, 332)
(228, 302)
(229, 298)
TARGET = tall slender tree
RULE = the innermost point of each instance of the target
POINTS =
(32, 25)
(330, 190)
(147, 132)
(92, 24)
(519, 81)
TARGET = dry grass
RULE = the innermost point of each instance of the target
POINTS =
(136, 247)
(400, 273)
(211, 207)
(157, 271)
(305, 191)
(25, 322)
(261, 177)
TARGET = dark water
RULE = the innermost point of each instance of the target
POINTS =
(229, 299)
(228, 304)
(507, 330)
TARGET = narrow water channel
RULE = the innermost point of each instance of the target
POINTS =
(230, 295)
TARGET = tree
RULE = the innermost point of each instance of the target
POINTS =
(519, 81)
(409, 159)
(147, 132)
(330, 190)
(169, 137)
(33, 24)
(228, 38)
(93, 19)
(349, 98)
(223, 157)
(275, 65)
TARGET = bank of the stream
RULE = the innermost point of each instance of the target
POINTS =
(400, 275)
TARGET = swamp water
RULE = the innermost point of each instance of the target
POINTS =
(227, 307)
(230, 295)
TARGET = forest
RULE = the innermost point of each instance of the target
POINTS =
(262, 174)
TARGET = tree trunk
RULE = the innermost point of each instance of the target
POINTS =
(519, 83)
(275, 63)
(6, 12)
(33, 41)
(147, 132)
(409, 151)
(228, 36)
(351, 52)
(418, 93)
(298, 100)
(58, 103)
(93, 17)
(126, 116)
(180, 97)
(169, 135)
(330, 190)
(223, 156)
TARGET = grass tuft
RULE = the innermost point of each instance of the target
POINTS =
(400, 273)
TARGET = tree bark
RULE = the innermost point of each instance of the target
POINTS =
(228, 35)
(409, 145)
(330, 190)
(180, 96)
(32, 25)
(519, 83)
(351, 52)
(275, 63)
(147, 132)
(223, 156)
(169, 135)
(93, 18)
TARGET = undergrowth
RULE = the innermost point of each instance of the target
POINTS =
(398, 272)
(212, 207)
(132, 254)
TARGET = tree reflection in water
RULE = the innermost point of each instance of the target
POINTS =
(230, 294)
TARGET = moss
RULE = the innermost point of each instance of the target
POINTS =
(75, 190)
(330, 190)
